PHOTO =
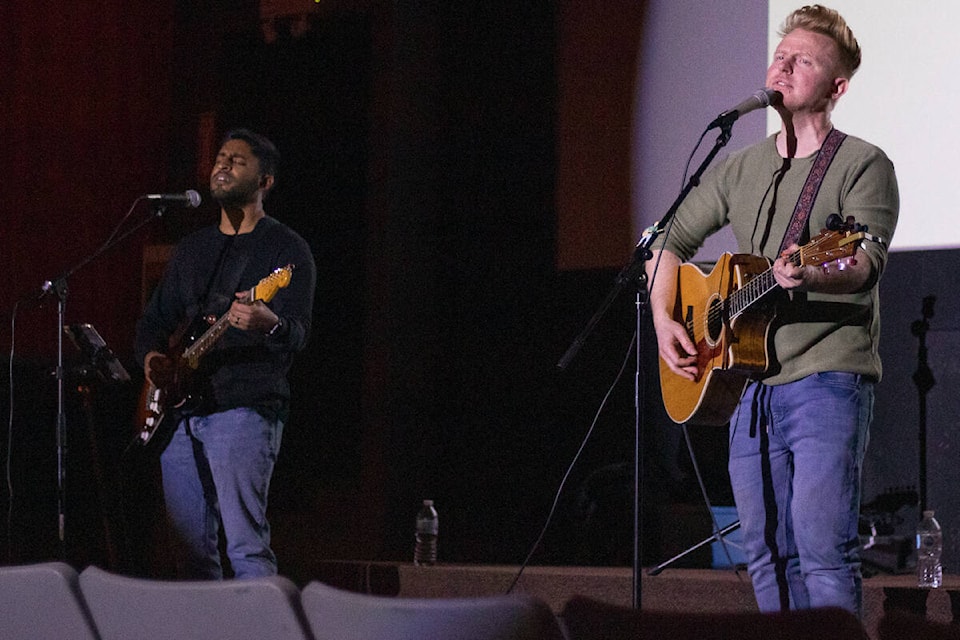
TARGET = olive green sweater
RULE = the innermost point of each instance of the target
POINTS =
(755, 191)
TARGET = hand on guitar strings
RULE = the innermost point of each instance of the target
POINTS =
(676, 349)
(159, 369)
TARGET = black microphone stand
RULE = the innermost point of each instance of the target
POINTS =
(635, 273)
(58, 287)
(924, 381)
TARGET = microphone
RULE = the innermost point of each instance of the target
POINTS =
(188, 199)
(759, 100)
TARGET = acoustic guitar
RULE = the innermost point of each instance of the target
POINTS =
(728, 318)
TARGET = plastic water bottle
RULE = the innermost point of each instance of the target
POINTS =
(929, 549)
(428, 526)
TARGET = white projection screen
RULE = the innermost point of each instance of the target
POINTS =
(904, 99)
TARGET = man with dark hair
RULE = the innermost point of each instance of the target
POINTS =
(226, 434)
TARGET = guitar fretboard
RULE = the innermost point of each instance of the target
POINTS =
(193, 353)
(754, 289)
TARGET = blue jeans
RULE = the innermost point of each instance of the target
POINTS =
(215, 470)
(796, 452)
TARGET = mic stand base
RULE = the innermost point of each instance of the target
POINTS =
(718, 533)
(716, 537)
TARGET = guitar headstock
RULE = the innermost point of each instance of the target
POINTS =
(268, 287)
(837, 242)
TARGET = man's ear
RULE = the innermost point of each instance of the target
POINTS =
(840, 86)
(266, 182)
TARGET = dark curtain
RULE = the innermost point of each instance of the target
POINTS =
(86, 112)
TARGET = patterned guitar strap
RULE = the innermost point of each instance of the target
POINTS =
(811, 188)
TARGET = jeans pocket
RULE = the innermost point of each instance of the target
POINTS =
(843, 379)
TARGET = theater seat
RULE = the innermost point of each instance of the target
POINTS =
(142, 609)
(334, 614)
(902, 625)
(588, 619)
(41, 602)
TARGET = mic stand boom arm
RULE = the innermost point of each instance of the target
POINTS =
(635, 272)
(58, 287)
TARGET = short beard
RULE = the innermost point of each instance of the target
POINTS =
(232, 200)
(235, 198)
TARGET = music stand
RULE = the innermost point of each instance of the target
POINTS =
(94, 348)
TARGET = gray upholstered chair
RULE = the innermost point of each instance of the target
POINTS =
(142, 609)
(42, 601)
(334, 614)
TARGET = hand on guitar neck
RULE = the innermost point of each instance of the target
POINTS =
(845, 275)
(255, 316)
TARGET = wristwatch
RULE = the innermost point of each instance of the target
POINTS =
(276, 327)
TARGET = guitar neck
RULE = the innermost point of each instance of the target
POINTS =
(754, 289)
(193, 353)
(265, 290)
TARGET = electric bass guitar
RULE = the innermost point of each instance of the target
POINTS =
(727, 318)
(157, 402)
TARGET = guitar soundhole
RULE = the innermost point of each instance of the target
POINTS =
(714, 322)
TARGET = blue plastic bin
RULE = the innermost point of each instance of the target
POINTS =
(733, 540)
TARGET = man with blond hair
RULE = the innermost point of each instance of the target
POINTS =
(800, 429)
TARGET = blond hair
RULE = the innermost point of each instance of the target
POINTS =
(828, 22)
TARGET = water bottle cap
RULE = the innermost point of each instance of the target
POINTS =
(928, 513)
(428, 503)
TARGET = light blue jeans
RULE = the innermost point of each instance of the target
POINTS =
(796, 452)
(215, 470)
